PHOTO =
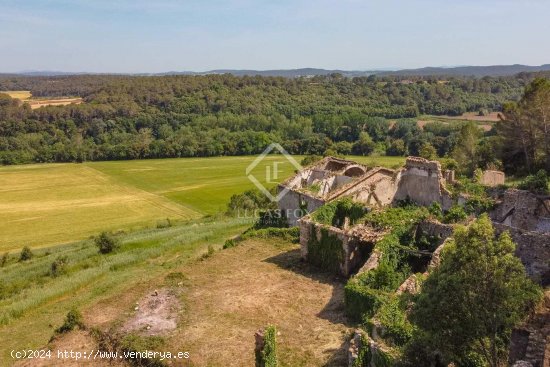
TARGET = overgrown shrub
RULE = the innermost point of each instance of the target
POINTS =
(165, 223)
(310, 159)
(471, 359)
(229, 243)
(106, 243)
(336, 212)
(136, 343)
(72, 321)
(364, 356)
(361, 300)
(393, 319)
(435, 210)
(384, 277)
(269, 353)
(249, 202)
(26, 254)
(455, 214)
(537, 183)
(58, 267)
(479, 204)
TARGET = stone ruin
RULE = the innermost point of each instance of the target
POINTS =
(420, 180)
(492, 178)
(524, 215)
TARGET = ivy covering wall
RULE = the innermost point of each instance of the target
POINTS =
(326, 252)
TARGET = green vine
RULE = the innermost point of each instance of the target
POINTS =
(326, 252)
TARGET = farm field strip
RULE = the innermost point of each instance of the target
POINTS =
(42, 205)
(26, 96)
(46, 204)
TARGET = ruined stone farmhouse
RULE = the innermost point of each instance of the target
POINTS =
(524, 215)
(332, 178)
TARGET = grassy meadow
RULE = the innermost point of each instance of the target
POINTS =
(33, 301)
(46, 204)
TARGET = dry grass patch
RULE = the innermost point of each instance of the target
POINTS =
(240, 290)
(18, 94)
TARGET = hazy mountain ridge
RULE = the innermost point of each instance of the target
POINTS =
(477, 71)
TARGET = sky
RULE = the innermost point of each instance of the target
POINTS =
(134, 36)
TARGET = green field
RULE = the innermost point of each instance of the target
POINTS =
(48, 204)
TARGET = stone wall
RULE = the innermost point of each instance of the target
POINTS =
(492, 178)
(530, 342)
(422, 181)
(290, 205)
(524, 210)
(436, 229)
(376, 188)
(355, 250)
(533, 248)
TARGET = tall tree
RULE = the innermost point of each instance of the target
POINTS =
(525, 128)
(466, 148)
(476, 296)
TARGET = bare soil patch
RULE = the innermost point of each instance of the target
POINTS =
(155, 314)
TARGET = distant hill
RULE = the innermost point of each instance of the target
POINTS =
(477, 71)
(287, 73)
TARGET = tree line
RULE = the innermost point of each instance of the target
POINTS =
(133, 117)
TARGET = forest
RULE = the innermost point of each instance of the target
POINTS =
(135, 117)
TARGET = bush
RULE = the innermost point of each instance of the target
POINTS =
(479, 204)
(106, 243)
(288, 234)
(72, 320)
(26, 254)
(537, 183)
(229, 243)
(455, 214)
(436, 210)
(394, 320)
(335, 213)
(249, 201)
(361, 300)
(268, 356)
(58, 266)
(166, 223)
(384, 277)
(471, 359)
(310, 159)
(136, 343)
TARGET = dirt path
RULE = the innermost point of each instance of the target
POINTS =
(240, 290)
